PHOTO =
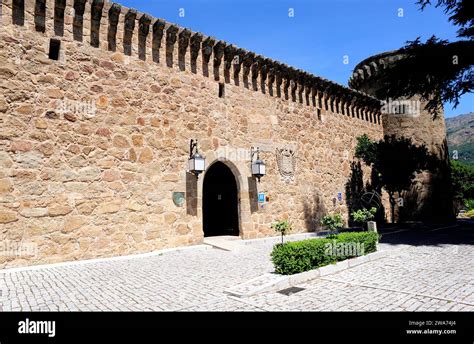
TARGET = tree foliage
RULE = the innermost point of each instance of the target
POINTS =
(363, 215)
(396, 161)
(366, 149)
(462, 176)
(461, 13)
(437, 70)
(332, 222)
(283, 227)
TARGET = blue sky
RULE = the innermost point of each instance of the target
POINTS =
(317, 37)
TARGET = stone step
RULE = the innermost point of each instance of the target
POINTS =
(226, 243)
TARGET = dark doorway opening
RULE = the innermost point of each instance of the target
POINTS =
(220, 202)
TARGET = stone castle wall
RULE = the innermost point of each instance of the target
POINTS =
(93, 145)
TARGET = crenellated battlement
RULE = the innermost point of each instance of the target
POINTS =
(113, 27)
(367, 70)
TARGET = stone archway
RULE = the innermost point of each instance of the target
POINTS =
(220, 204)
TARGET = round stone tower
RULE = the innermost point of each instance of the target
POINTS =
(430, 198)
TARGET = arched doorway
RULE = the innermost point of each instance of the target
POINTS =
(220, 201)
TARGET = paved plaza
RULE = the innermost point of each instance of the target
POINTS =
(432, 271)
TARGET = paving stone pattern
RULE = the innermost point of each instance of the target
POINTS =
(417, 278)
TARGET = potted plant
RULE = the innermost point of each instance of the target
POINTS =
(363, 216)
(282, 227)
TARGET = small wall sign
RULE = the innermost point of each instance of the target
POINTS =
(178, 198)
(261, 197)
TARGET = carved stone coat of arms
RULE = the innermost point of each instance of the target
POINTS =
(286, 161)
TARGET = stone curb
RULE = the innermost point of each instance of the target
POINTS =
(105, 260)
(288, 238)
(271, 282)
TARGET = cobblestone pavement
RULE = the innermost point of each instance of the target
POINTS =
(434, 272)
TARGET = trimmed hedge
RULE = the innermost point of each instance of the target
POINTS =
(299, 256)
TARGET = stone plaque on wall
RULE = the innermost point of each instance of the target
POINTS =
(286, 161)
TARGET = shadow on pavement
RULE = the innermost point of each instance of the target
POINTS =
(419, 234)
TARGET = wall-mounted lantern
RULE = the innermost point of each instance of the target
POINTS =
(196, 162)
(257, 166)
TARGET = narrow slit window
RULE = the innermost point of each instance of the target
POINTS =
(54, 49)
(221, 90)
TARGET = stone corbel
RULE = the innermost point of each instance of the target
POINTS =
(293, 84)
(271, 76)
(254, 69)
(314, 92)
(59, 7)
(326, 96)
(366, 113)
(129, 27)
(195, 47)
(78, 21)
(377, 111)
(40, 15)
(18, 12)
(183, 43)
(344, 103)
(264, 67)
(332, 98)
(143, 31)
(308, 88)
(360, 114)
(319, 103)
(353, 106)
(356, 106)
(218, 50)
(379, 117)
(96, 17)
(237, 63)
(229, 53)
(278, 78)
(206, 49)
(158, 32)
(301, 77)
(114, 16)
(286, 75)
(339, 99)
(171, 37)
(347, 104)
(248, 61)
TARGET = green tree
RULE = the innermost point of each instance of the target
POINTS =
(282, 227)
(437, 70)
(396, 162)
(332, 222)
(366, 149)
(462, 176)
(363, 215)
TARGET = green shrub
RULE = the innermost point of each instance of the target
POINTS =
(369, 239)
(282, 227)
(363, 215)
(299, 256)
(332, 222)
(469, 204)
